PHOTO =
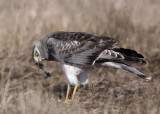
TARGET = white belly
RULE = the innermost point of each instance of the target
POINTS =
(75, 75)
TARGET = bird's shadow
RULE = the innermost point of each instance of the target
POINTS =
(60, 91)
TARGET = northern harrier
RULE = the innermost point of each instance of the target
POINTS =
(80, 52)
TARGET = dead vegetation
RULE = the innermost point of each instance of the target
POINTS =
(23, 89)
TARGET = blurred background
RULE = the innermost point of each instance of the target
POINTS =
(23, 88)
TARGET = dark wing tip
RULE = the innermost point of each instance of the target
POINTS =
(135, 60)
(128, 52)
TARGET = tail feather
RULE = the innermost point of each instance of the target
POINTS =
(128, 68)
(126, 60)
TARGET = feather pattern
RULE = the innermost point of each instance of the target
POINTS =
(78, 48)
(80, 52)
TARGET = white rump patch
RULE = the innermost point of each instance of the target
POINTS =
(110, 54)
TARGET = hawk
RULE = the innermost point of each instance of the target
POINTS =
(80, 52)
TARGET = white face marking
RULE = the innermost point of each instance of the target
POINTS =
(36, 56)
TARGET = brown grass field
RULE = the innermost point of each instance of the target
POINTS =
(23, 88)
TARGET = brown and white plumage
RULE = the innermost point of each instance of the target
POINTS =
(80, 52)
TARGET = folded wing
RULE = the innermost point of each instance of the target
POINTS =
(78, 48)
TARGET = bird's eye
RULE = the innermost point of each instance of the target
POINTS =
(36, 54)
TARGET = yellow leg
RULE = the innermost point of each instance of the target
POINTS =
(75, 89)
(68, 90)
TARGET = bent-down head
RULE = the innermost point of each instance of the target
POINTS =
(40, 53)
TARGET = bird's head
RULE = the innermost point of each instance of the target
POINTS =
(40, 53)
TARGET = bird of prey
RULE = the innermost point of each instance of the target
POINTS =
(80, 52)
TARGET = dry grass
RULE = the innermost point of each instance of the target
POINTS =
(23, 89)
